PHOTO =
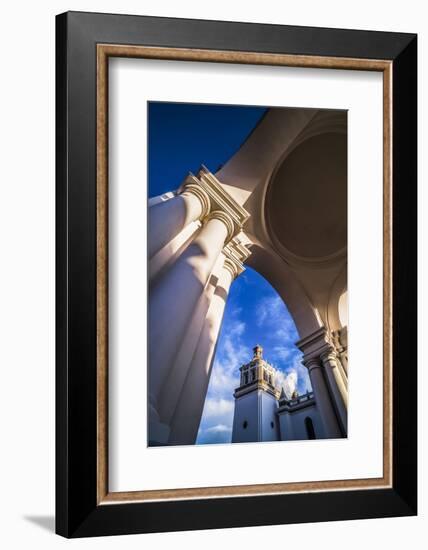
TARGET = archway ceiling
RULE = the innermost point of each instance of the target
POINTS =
(306, 206)
(291, 175)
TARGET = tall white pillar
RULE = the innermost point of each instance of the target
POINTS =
(183, 277)
(317, 348)
(167, 219)
(188, 413)
(172, 388)
(322, 398)
(160, 261)
(174, 298)
(337, 387)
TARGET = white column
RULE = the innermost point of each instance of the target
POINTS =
(171, 389)
(164, 257)
(322, 398)
(188, 413)
(339, 392)
(167, 219)
(173, 300)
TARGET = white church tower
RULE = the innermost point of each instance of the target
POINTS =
(256, 402)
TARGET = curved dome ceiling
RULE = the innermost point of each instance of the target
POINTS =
(306, 206)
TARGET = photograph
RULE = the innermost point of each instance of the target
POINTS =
(247, 244)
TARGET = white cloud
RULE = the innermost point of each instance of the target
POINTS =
(234, 352)
(287, 332)
(236, 312)
(282, 352)
(268, 309)
(271, 312)
(225, 373)
(287, 381)
(238, 329)
(280, 378)
(217, 407)
(217, 417)
(292, 377)
(219, 428)
(269, 319)
(291, 383)
(303, 382)
(222, 381)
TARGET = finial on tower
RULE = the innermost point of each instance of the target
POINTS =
(258, 352)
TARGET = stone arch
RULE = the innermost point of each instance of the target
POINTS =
(268, 264)
(306, 222)
(338, 289)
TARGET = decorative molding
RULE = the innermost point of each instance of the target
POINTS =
(236, 253)
(190, 188)
(340, 340)
(219, 198)
(314, 345)
(329, 356)
(259, 365)
(238, 249)
(233, 267)
(226, 219)
(312, 363)
(293, 405)
(256, 385)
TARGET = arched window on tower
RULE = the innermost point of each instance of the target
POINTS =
(309, 425)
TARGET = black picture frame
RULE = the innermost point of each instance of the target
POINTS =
(78, 513)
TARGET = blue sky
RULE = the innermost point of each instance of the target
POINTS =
(181, 138)
(254, 314)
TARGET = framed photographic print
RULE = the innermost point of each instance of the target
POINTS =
(236, 274)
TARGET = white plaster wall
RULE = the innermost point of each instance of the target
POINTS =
(268, 406)
(298, 420)
(246, 409)
(292, 425)
(286, 426)
(258, 408)
(170, 252)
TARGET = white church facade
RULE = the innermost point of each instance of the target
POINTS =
(264, 411)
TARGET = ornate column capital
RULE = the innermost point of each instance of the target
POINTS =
(218, 198)
(329, 356)
(236, 253)
(312, 363)
(226, 219)
(340, 339)
(315, 344)
(190, 188)
(233, 267)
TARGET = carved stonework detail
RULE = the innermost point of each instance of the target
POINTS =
(219, 200)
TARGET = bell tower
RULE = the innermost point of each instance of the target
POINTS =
(256, 402)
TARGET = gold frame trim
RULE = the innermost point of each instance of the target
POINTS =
(104, 51)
